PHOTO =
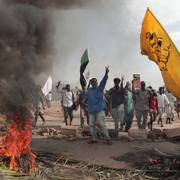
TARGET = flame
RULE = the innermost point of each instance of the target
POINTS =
(16, 145)
(153, 161)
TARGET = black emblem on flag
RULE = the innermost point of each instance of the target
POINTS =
(162, 53)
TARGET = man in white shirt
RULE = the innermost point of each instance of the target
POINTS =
(67, 103)
(162, 102)
(170, 107)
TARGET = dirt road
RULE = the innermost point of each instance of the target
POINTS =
(100, 153)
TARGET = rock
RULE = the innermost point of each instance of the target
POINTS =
(138, 133)
(45, 130)
(38, 132)
(46, 134)
(172, 133)
(58, 131)
(124, 136)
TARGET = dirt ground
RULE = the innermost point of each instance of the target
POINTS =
(100, 153)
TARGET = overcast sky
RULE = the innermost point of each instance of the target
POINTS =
(110, 29)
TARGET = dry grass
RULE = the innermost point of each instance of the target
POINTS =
(67, 169)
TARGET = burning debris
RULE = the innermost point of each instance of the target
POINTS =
(16, 146)
(24, 54)
(153, 162)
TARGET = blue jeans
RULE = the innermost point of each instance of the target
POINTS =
(99, 116)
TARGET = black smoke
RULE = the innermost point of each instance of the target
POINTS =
(60, 4)
(26, 50)
(25, 53)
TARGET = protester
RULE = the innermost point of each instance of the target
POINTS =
(128, 107)
(83, 106)
(48, 99)
(117, 95)
(177, 107)
(170, 107)
(67, 102)
(153, 108)
(141, 105)
(39, 105)
(95, 105)
(162, 102)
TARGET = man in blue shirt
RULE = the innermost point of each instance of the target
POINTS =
(95, 105)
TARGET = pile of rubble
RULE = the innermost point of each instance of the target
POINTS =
(165, 134)
(58, 133)
(73, 133)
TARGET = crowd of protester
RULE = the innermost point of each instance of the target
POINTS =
(123, 102)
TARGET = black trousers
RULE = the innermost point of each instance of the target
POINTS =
(68, 111)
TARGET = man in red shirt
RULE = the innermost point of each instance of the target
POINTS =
(153, 108)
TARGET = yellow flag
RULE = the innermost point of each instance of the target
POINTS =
(157, 45)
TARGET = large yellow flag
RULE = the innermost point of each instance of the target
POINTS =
(157, 45)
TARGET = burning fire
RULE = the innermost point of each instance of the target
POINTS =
(15, 144)
(153, 161)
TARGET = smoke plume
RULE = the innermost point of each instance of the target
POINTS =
(60, 4)
(26, 50)
(25, 53)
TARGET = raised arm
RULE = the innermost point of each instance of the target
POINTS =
(122, 81)
(60, 91)
(57, 86)
(104, 80)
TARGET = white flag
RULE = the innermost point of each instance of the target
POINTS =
(47, 87)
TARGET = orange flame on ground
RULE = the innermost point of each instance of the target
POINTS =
(153, 161)
(16, 143)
